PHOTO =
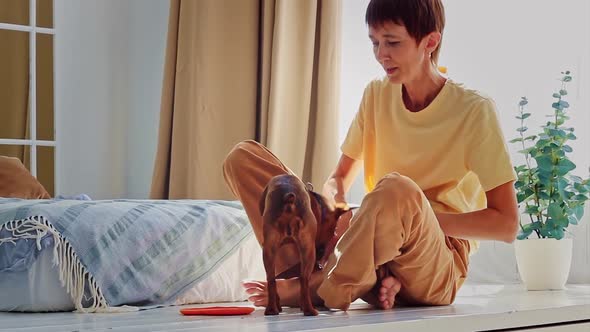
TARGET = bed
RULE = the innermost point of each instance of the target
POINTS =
(119, 255)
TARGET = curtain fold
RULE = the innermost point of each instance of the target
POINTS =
(249, 69)
(160, 187)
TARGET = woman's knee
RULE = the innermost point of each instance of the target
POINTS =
(239, 154)
(394, 187)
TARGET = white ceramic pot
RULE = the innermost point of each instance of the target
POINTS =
(544, 264)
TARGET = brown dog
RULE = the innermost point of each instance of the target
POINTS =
(290, 214)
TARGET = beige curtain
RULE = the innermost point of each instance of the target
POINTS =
(247, 69)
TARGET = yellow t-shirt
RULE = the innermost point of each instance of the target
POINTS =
(453, 149)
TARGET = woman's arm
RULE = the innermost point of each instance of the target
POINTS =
(341, 179)
(499, 221)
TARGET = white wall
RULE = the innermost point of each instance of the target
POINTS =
(358, 67)
(109, 57)
(506, 49)
(149, 26)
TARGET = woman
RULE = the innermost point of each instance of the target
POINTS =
(437, 173)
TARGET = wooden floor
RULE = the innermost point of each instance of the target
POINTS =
(477, 308)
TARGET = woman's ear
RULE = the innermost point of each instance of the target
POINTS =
(432, 41)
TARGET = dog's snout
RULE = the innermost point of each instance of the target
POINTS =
(289, 231)
(289, 208)
(289, 198)
(289, 203)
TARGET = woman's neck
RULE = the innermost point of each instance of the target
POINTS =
(419, 93)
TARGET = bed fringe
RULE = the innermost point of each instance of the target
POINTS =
(72, 274)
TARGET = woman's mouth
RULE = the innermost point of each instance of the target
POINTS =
(391, 70)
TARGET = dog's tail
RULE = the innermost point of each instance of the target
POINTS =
(289, 203)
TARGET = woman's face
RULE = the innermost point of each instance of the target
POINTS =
(401, 56)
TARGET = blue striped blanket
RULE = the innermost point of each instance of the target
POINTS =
(125, 252)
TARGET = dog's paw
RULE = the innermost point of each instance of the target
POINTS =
(272, 311)
(310, 312)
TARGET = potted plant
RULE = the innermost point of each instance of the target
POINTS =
(549, 195)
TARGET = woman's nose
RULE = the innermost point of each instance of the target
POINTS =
(380, 53)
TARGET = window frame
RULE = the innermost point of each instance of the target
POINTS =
(33, 142)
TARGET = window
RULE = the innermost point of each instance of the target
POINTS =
(27, 108)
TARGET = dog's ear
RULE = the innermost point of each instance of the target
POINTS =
(315, 206)
(262, 202)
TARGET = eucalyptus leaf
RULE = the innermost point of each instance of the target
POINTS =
(562, 222)
(544, 162)
(581, 188)
(530, 227)
(561, 185)
(559, 153)
(557, 132)
(523, 235)
(555, 196)
(579, 211)
(555, 211)
(561, 171)
(566, 164)
(558, 234)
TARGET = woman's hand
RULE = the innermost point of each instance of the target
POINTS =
(333, 191)
(341, 179)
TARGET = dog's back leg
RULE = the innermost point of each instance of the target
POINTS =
(306, 244)
(269, 251)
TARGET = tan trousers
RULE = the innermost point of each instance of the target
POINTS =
(395, 226)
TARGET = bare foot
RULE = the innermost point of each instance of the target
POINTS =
(383, 297)
(288, 290)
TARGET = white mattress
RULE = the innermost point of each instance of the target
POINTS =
(39, 288)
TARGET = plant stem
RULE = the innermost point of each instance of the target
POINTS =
(528, 165)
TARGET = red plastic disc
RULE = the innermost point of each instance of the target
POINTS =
(217, 311)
